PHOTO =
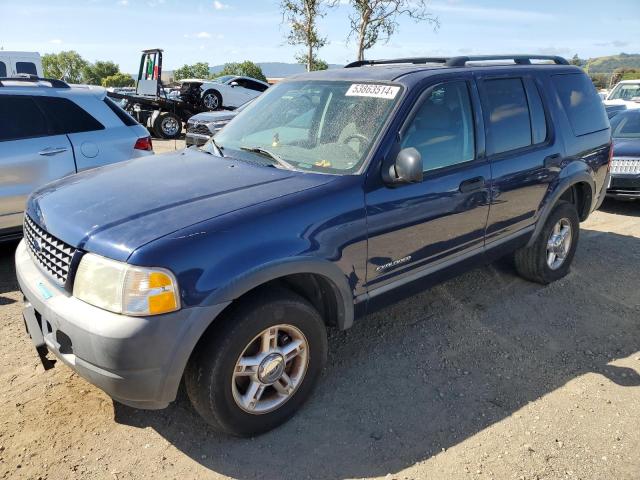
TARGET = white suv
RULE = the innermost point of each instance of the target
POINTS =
(626, 93)
(48, 130)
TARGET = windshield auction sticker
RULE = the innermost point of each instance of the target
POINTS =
(371, 90)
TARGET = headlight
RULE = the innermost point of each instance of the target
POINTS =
(127, 289)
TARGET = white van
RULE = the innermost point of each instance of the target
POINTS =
(14, 63)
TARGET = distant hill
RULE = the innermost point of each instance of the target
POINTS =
(609, 64)
(275, 69)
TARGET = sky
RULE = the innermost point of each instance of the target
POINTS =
(219, 31)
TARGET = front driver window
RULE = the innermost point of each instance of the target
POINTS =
(442, 130)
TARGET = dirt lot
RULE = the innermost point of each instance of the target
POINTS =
(486, 376)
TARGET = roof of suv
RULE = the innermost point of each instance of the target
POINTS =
(393, 69)
(46, 86)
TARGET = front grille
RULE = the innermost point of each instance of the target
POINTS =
(628, 165)
(199, 128)
(52, 254)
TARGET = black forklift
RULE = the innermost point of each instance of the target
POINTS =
(162, 113)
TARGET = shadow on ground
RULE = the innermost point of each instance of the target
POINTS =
(620, 207)
(8, 281)
(432, 371)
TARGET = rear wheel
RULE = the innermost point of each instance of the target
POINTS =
(253, 371)
(168, 125)
(550, 256)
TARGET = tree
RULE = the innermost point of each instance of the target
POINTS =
(576, 60)
(197, 70)
(67, 66)
(301, 15)
(376, 21)
(245, 69)
(118, 79)
(93, 74)
(315, 64)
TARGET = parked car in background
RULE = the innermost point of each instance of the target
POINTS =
(49, 130)
(201, 127)
(337, 193)
(625, 164)
(228, 91)
(625, 93)
(613, 110)
(20, 63)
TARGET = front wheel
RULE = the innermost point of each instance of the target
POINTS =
(211, 100)
(253, 371)
(550, 256)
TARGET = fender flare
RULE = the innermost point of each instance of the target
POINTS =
(551, 199)
(297, 265)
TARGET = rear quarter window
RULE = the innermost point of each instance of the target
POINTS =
(127, 119)
(3, 69)
(581, 103)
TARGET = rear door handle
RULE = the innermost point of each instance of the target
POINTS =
(50, 151)
(472, 185)
(553, 161)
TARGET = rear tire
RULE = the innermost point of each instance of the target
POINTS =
(244, 351)
(550, 256)
(168, 125)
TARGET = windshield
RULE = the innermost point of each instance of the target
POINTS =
(223, 79)
(625, 91)
(322, 126)
(626, 125)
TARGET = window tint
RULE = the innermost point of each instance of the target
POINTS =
(581, 102)
(26, 67)
(127, 119)
(256, 86)
(3, 69)
(508, 112)
(20, 118)
(442, 129)
(67, 117)
(536, 110)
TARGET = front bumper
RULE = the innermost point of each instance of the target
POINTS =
(624, 186)
(137, 361)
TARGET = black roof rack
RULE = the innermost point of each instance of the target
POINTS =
(34, 79)
(461, 61)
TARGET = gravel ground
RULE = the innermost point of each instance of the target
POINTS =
(485, 376)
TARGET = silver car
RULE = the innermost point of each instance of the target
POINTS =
(48, 130)
(203, 126)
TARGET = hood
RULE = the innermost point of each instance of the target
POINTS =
(113, 210)
(624, 147)
(213, 116)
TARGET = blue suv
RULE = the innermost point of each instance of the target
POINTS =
(332, 195)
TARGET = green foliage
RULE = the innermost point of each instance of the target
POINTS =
(315, 64)
(600, 80)
(576, 60)
(613, 62)
(93, 74)
(197, 70)
(118, 79)
(245, 69)
(301, 17)
(68, 66)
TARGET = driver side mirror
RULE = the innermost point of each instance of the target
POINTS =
(407, 168)
(233, 84)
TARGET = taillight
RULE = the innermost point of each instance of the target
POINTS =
(143, 143)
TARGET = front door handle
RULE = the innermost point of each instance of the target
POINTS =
(50, 151)
(472, 185)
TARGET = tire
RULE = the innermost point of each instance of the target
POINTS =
(534, 263)
(168, 125)
(212, 100)
(211, 383)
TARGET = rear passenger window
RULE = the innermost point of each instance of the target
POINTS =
(581, 103)
(536, 111)
(3, 69)
(508, 112)
(67, 117)
(26, 67)
(20, 118)
(443, 129)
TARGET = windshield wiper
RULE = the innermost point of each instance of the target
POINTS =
(274, 156)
